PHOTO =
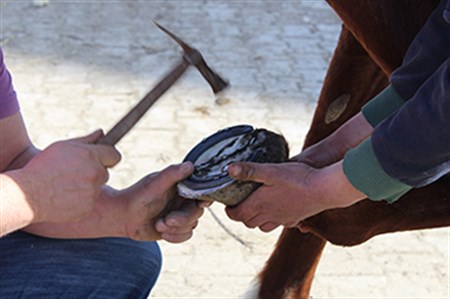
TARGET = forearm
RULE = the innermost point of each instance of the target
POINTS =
(360, 127)
(354, 131)
(334, 147)
(334, 188)
(106, 220)
(24, 157)
(18, 211)
(17, 149)
(15, 211)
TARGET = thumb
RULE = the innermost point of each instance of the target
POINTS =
(256, 172)
(168, 177)
(91, 138)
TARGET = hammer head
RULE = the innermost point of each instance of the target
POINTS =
(194, 57)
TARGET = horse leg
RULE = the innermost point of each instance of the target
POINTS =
(290, 270)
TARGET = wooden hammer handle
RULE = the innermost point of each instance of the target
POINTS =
(136, 113)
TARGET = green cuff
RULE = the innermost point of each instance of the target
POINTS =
(366, 174)
(382, 105)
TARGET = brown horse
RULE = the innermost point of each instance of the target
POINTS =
(374, 38)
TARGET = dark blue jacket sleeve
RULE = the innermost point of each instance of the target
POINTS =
(413, 144)
(410, 145)
(429, 49)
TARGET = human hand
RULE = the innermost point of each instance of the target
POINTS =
(62, 182)
(155, 210)
(291, 192)
(148, 210)
(281, 200)
(179, 224)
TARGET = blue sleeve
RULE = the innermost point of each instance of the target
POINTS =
(413, 144)
(410, 148)
(429, 49)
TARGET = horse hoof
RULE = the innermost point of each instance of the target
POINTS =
(211, 157)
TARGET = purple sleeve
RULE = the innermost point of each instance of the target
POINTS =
(8, 99)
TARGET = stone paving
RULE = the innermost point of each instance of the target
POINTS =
(80, 65)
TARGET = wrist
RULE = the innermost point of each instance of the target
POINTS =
(336, 190)
(20, 190)
(352, 133)
(334, 147)
(110, 211)
(105, 220)
(15, 210)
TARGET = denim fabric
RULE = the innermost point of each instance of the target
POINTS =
(35, 267)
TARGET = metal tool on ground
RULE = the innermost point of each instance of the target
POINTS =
(191, 57)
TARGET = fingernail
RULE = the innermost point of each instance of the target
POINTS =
(204, 204)
(99, 132)
(171, 222)
(234, 170)
(187, 167)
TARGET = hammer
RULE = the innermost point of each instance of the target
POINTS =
(191, 56)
